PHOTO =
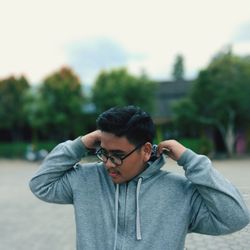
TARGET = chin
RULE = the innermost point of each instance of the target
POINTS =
(118, 180)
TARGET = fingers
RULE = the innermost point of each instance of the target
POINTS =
(172, 148)
(166, 151)
(162, 150)
(92, 140)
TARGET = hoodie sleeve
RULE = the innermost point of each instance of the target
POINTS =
(216, 205)
(51, 182)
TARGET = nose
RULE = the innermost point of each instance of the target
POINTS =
(109, 164)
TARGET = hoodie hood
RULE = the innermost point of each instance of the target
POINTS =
(153, 166)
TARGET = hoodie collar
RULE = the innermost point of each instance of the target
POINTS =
(152, 168)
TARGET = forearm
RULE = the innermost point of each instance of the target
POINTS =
(216, 196)
(50, 182)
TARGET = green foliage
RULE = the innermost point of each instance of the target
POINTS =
(12, 92)
(18, 149)
(221, 91)
(159, 134)
(13, 150)
(55, 110)
(178, 68)
(201, 145)
(119, 88)
(219, 98)
(185, 116)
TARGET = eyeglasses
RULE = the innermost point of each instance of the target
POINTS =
(117, 160)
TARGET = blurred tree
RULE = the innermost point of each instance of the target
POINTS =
(35, 112)
(178, 68)
(220, 97)
(12, 91)
(56, 109)
(119, 88)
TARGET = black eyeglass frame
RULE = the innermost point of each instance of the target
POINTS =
(111, 157)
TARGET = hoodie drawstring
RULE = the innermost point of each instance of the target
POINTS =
(138, 223)
(116, 213)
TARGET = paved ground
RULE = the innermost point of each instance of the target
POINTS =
(29, 224)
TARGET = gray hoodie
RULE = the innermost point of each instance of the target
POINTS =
(155, 210)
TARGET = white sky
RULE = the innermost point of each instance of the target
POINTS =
(39, 37)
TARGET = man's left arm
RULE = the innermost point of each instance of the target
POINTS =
(217, 206)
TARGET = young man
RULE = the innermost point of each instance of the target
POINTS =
(126, 201)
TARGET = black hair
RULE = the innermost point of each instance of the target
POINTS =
(129, 121)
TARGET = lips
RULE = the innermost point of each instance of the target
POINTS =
(113, 174)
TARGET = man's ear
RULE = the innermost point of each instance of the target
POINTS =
(147, 149)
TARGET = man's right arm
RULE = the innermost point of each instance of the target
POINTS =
(52, 181)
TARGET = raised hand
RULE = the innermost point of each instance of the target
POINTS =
(172, 148)
(92, 140)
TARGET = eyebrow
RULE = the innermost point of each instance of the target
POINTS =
(114, 151)
(117, 152)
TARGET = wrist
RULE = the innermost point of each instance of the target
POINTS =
(85, 142)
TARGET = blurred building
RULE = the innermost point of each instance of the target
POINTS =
(167, 92)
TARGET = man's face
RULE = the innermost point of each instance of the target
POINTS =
(131, 166)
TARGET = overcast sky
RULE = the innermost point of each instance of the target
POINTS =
(40, 36)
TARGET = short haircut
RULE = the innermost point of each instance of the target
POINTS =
(129, 121)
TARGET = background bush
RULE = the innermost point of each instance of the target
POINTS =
(199, 145)
(19, 149)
